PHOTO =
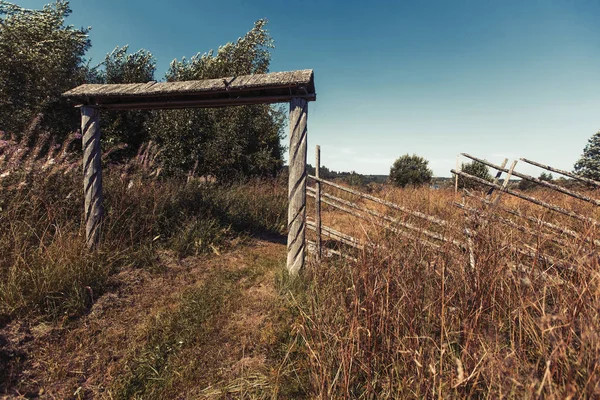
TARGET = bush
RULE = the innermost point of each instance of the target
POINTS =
(476, 169)
(410, 170)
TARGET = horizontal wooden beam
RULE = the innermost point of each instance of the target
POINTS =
(162, 104)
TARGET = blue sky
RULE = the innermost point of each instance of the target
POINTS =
(494, 78)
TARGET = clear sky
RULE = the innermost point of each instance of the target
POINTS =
(494, 78)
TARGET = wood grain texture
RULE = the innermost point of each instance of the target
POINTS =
(275, 87)
(537, 181)
(318, 203)
(297, 186)
(92, 174)
(562, 172)
(405, 210)
(533, 200)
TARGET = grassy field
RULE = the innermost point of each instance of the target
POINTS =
(412, 321)
(187, 295)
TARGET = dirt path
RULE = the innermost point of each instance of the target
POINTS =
(212, 326)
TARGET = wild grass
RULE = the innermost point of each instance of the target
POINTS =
(45, 268)
(193, 349)
(411, 321)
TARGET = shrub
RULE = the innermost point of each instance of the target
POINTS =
(476, 169)
(410, 170)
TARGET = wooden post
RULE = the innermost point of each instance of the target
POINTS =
(456, 177)
(318, 201)
(92, 174)
(297, 186)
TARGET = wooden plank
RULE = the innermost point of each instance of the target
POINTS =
(558, 229)
(509, 222)
(318, 201)
(329, 252)
(161, 104)
(274, 80)
(539, 181)
(456, 178)
(496, 179)
(506, 182)
(337, 235)
(530, 199)
(562, 172)
(92, 174)
(405, 210)
(392, 220)
(297, 186)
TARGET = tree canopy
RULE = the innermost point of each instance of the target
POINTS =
(476, 169)
(42, 58)
(229, 143)
(410, 170)
(588, 164)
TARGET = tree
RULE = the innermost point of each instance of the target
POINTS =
(588, 164)
(125, 127)
(355, 179)
(40, 59)
(524, 184)
(476, 169)
(410, 170)
(229, 143)
(545, 176)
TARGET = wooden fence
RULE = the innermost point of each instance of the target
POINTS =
(480, 209)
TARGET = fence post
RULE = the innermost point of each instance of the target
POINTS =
(297, 186)
(92, 174)
(318, 201)
(456, 177)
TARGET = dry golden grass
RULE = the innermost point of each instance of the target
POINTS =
(413, 321)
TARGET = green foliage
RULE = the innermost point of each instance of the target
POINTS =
(545, 176)
(40, 59)
(355, 179)
(125, 127)
(229, 143)
(410, 170)
(524, 184)
(588, 164)
(476, 169)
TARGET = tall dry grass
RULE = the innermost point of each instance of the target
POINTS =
(411, 321)
(45, 268)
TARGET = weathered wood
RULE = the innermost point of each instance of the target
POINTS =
(297, 186)
(392, 220)
(496, 179)
(337, 235)
(405, 210)
(529, 198)
(562, 172)
(318, 201)
(558, 229)
(508, 222)
(506, 182)
(456, 178)
(538, 181)
(275, 87)
(200, 103)
(329, 252)
(92, 174)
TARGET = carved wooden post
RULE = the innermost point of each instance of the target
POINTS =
(297, 186)
(92, 174)
(318, 201)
